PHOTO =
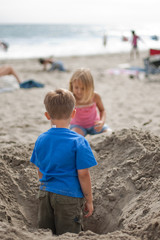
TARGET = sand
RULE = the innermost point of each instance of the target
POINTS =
(126, 184)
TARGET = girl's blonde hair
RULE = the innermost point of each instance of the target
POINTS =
(85, 77)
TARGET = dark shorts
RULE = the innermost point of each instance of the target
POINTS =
(60, 213)
(134, 46)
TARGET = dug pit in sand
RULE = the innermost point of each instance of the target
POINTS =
(125, 187)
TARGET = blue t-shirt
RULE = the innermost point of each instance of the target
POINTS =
(59, 153)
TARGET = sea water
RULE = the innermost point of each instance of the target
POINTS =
(44, 40)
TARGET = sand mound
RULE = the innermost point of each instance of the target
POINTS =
(126, 188)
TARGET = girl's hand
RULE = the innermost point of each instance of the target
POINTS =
(98, 125)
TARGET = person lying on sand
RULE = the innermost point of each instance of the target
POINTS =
(8, 70)
(55, 65)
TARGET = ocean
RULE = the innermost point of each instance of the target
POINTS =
(43, 40)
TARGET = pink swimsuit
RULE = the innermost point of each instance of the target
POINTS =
(86, 116)
(134, 40)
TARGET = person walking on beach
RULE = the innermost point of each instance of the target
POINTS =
(134, 43)
(104, 39)
(90, 113)
(8, 70)
(63, 159)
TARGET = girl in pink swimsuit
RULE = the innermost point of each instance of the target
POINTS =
(90, 114)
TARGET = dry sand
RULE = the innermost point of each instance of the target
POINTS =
(126, 184)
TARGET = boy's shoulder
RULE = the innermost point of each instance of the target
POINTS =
(60, 133)
(64, 138)
(43, 134)
(77, 135)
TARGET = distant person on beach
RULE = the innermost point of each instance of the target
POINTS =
(4, 45)
(90, 113)
(8, 70)
(105, 40)
(124, 39)
(55, 65)
(134, 43)
(63, 159)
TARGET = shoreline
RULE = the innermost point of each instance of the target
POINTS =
(143, 53)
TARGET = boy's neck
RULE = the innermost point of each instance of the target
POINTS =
(60, 123)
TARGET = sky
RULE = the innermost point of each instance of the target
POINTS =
(124, 12)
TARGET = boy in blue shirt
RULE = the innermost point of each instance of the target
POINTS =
(63, 159)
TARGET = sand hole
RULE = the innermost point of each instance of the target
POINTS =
(125, 183)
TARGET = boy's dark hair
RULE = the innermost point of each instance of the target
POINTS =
(59, 103)
(41, 60)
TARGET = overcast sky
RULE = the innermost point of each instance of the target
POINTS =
(80, 11)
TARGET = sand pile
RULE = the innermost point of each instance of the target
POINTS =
(126, 189)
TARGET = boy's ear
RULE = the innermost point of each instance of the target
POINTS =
(73, 113)
(47, 115)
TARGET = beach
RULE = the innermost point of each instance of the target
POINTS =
(125, 183)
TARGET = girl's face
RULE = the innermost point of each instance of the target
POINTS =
(78, 89)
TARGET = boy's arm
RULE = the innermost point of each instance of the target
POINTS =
(85, 182)
(39, 174)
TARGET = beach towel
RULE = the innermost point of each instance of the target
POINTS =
(8, 84)
(130, 71)
(31, 84)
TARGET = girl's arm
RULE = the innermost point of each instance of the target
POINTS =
(102, 112)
